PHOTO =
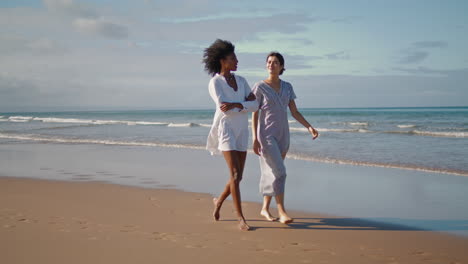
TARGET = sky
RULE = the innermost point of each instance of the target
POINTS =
(146, 54)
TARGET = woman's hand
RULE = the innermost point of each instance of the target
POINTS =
(228, 106)
(251, 97)
(256, 147)
(313, 132)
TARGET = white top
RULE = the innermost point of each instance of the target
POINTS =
(229, 130)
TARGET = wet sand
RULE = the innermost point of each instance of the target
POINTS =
(44, 221)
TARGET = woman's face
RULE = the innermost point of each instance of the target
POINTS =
(230, 62)
(273, 65)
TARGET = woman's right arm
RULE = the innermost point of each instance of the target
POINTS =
(256, 143)
(217, 94)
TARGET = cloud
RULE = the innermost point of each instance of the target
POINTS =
(233, 29)
(69, 7)
(184, 8)
(250, 61)
(414, 57)
(346, 20)
(341, 55)
(14, 44)
(381, 90)
(303, 41)
(85, 19)
(429, 71)
(103, 28)
(430, 44)
(418, 51)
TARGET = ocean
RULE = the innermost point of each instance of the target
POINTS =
(433, 139)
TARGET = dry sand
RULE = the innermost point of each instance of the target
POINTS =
(63, 222)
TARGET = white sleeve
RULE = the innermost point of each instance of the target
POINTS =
(217, 94)
(249, 106)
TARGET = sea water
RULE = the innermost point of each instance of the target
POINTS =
(420, 139)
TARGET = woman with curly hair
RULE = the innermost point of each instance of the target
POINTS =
(229, 132)
(270, 129)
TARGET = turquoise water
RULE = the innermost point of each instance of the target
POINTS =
(427, 139)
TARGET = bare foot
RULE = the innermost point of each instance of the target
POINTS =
(217, 207)
(243, 225)
(284, 219)
(268, 216)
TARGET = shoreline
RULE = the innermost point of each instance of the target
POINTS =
(90, 222)
(296, 156)
(393, 196)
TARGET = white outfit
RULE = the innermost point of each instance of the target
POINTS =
(229, 130)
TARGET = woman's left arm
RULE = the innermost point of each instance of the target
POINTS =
(250, 103)
(298, 116)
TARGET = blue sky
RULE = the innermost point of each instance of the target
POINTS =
(145, 54)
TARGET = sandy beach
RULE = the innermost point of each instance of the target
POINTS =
(68, 203)
(61, 222)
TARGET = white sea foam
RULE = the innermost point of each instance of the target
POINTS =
(182, 125)
(21, 119)
(441, 134)
(303, 129)
(101, 122)
(361, 127)
(431, 133)
(358, 123)
(406, 126)
(63, 120)
(146, 123)
(40, 138)
(370, 164)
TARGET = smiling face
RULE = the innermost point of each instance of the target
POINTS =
(230, 62)
(274, 65)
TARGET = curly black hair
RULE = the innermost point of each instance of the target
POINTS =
(215, 52)
(279, 57)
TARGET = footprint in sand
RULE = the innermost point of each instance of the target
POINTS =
(166, 186)
(265, 250)
(129, 228)
(149, 182)
(26, 220)
(9, 226)
(195, 246)
(159, 236)
(420, 253)
(310, 250)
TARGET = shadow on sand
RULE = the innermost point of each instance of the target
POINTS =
(390, 224)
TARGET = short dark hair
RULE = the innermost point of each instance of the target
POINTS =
(220, 49)
(279, 57)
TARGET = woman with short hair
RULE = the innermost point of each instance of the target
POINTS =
(270, 130)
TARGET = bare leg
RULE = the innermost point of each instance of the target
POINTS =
(235, 161)
(266, 209)
(218, 202)
(284, 217)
